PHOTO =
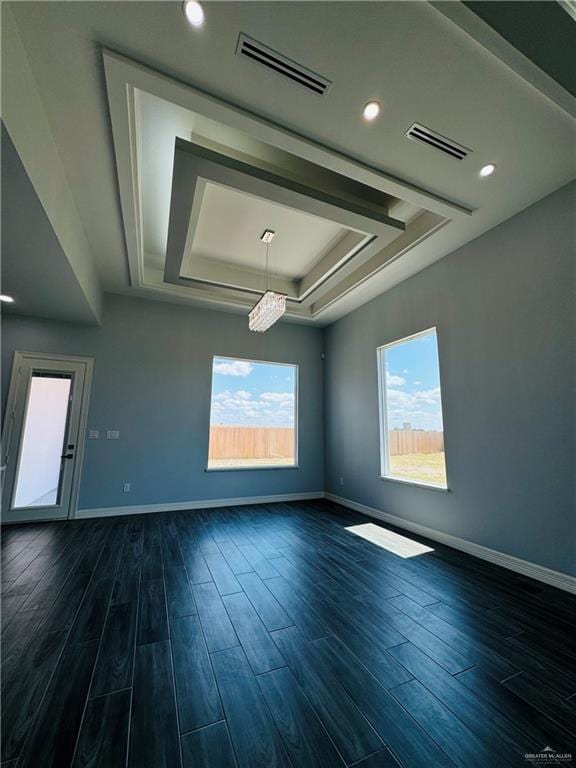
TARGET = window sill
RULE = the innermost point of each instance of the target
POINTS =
(417, 483)
(251, 469)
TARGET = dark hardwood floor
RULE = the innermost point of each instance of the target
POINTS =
(271, 636)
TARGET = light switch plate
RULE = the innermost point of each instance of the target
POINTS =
(112, 434)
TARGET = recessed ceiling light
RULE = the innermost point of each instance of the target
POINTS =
(487, 170)
(194, 12)
(7, 299)
(371, 111)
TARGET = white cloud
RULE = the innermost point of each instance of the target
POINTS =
(421, 409)
(246, 408)
(277, 397)
(398, 398)
(430, 396)
(233, 367)
(427, 396)
(394, 381)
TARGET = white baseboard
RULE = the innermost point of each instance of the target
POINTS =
(180, 506)
(532, 570)
(539, 572)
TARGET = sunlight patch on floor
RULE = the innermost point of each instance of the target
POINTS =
(393, 542)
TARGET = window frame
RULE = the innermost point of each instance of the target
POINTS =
(265, 467)
(383, 413)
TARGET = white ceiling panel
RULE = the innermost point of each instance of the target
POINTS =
(231, 222)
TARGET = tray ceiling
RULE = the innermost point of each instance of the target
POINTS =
(211, 186)
(436, 64)
(220, 206)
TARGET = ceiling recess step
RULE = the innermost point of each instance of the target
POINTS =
(282, 65)
(420, 133)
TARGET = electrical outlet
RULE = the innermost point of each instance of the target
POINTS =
(112, 434)
(126, 488)
(93, 434)
(341, 481)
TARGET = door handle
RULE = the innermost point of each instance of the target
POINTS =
(67, 456)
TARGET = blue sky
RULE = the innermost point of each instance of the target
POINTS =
(413, 384)
(252, 394)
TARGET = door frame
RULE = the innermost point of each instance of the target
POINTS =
(18, 359)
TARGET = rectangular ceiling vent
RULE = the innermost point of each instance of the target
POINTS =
(424, 135)
(284, 66)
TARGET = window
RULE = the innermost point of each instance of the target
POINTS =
(253, 414)
(411, 430)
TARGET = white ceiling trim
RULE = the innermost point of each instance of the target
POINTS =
(124, 75)
(193, 165)
(125, 78)
(421, 229)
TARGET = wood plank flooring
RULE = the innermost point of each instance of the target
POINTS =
(271, 636)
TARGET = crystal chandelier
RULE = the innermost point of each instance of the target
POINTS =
(267, 311)
(272, 305)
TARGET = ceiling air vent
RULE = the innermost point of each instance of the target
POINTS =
(256, 51)
(424, 135)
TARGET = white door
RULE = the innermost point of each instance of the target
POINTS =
(43, 436)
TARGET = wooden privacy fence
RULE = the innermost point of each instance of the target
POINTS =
(403, 441)
(229, 442)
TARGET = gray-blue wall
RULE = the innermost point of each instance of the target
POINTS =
(152, 379)
(504, 307)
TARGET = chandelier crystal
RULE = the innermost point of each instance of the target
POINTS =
(271, 305)
(267, 310)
